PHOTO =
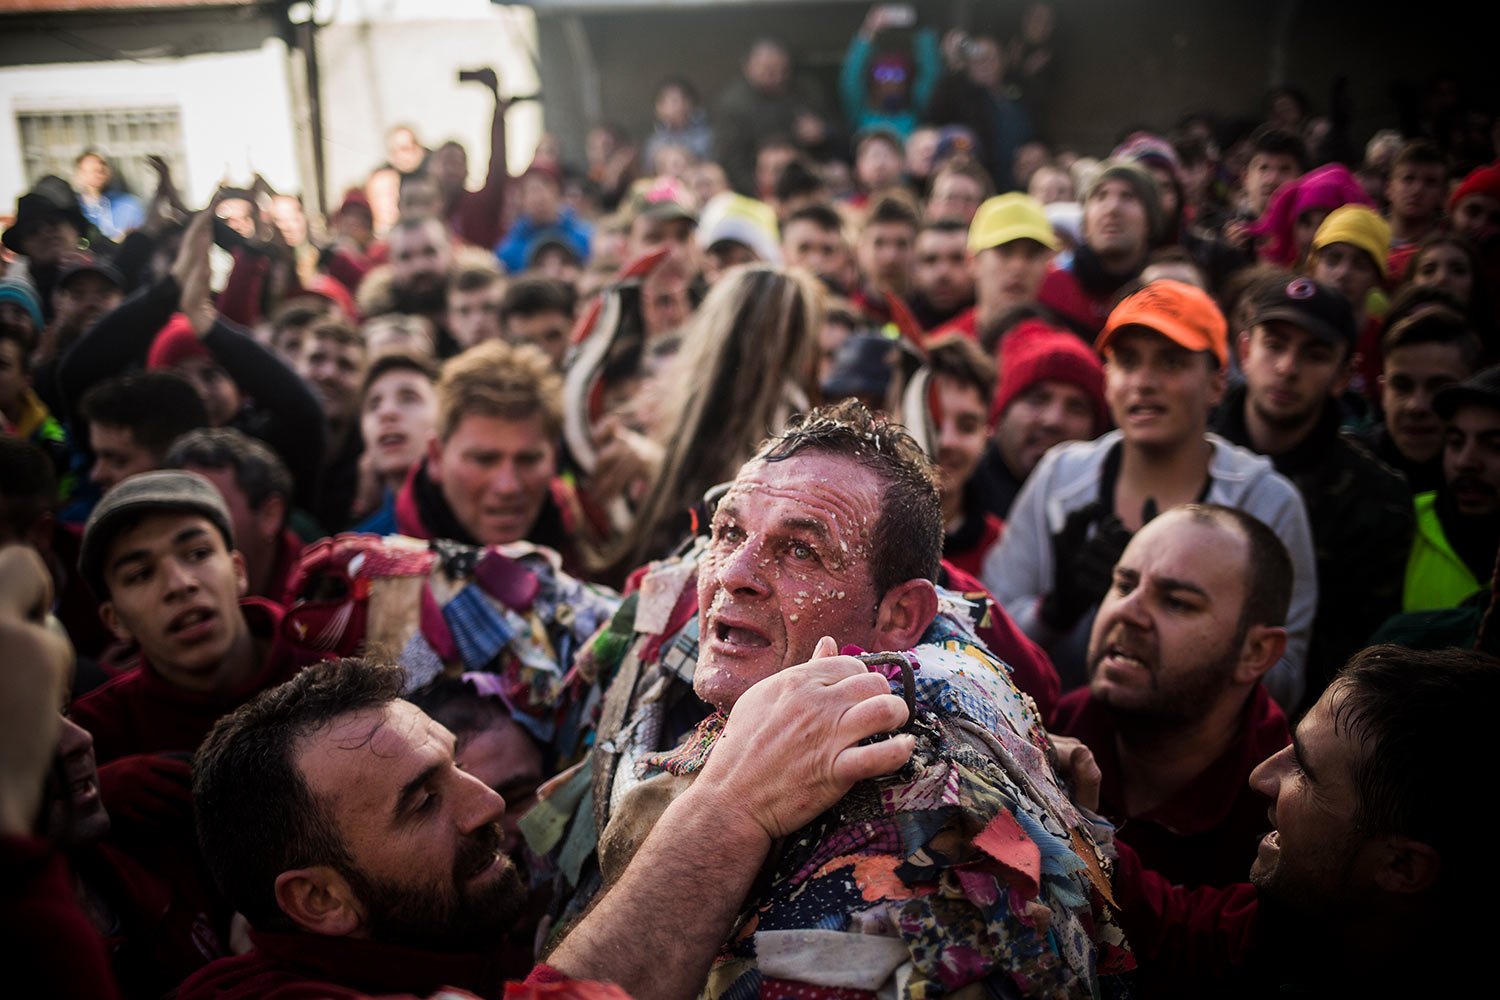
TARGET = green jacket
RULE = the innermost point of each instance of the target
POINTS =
(1435, 576)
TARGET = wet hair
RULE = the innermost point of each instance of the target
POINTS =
(258, 472)
(28, 486)
(1423, 722)
(256, 815)
(157, 407)
(500, 380)
(907, 542)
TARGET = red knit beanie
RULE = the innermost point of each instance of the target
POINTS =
(325, 286)
(1034, 351)
(1481, 180)
(175, 344)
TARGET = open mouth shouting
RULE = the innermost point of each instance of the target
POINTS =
(738, 637)
(1123, 662)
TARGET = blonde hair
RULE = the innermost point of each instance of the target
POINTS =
(497, 379)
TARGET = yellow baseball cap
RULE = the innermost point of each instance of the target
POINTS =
(1009, 217)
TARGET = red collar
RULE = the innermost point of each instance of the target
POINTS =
(1203, 803)
(375, 968)
(263, 618)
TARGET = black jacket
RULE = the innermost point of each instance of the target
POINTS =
(1362, 521)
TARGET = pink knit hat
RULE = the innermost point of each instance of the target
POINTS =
(1325, 188)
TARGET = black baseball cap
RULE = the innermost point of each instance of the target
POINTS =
(89, 264)
(1481, 389)
(1321, 310)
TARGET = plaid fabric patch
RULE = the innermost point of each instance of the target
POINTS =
(681, 657)
(419, 661)
(479, 627)
(873, 837)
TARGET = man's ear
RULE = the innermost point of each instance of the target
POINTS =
(1406, 866)
(1262, 647)
(1242, 346)
(321, 901)
(1218, 382)
(904, 614)
(111, 619)
(435, 460)
(241, 575)
(270, 515)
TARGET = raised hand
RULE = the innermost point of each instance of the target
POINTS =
(793, 744)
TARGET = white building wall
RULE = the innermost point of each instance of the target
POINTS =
(383, 62)
(236, 112)
(387, 63)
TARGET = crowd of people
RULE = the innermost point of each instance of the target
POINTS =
(830, 546)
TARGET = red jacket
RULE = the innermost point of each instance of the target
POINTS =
(50, 947)
(1187, 942)
(1062, 293)
(1208, 832)
(966, 323)
(423, 512)
(1031, 668)
(970, 558)
(142, 712)
(169, 920)
(316, 967)
(288, 554)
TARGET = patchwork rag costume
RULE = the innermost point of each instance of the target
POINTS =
(968, 866)
(506, 618)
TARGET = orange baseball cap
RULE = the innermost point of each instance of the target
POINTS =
(1178, 311)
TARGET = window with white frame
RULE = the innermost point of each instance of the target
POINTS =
(52, 138)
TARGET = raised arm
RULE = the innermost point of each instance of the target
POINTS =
(497, 175)
(117, 342)
(293, 421)
(790, 750)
